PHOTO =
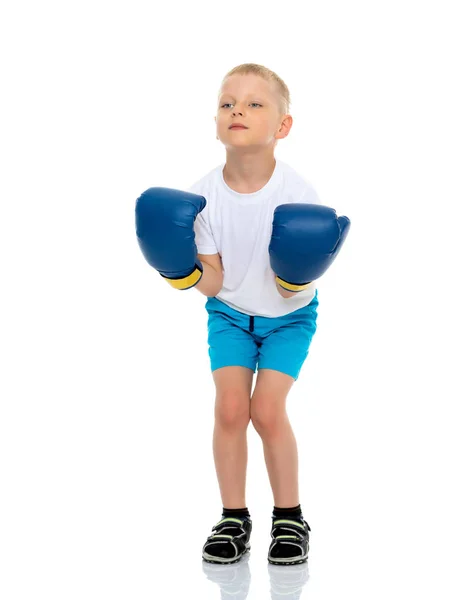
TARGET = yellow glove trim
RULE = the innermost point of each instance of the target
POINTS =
(185, 282)
(291, 287)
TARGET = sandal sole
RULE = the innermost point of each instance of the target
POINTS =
(285, 562)
(225, 561)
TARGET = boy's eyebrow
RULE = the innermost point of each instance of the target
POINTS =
(224, 95)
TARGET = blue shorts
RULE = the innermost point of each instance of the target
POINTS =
(279, 343)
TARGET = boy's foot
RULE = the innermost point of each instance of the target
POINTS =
(290, 542)
(229, 541)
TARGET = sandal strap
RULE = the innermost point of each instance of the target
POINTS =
(237, 542)
(230, 526)
(286, 527)
(220, 535)
(229, 521)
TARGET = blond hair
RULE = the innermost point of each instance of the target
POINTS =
(268, 75)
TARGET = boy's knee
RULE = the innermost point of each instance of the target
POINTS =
(232, 409)
(267, 417)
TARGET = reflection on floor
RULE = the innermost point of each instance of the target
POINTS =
(286, 582)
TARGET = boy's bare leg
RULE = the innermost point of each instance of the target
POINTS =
(270, 419)
(232, 416)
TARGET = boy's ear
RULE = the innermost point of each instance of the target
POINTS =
(285, 127)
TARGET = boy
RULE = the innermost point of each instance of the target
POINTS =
(260, 238)
(250, 315)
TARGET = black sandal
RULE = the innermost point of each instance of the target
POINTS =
(229, 541)
(290, 543)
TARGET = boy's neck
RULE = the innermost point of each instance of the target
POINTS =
(246, 173)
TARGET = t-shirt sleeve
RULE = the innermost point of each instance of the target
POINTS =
(203, 235)
(310, 195)
(204, 239)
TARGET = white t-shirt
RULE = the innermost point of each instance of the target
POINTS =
(239, 227)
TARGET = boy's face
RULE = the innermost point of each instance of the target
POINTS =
(251, 101)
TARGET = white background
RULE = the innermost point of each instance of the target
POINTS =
(108, 487)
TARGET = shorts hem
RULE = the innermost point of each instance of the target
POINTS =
(293, 374)
(231, 364)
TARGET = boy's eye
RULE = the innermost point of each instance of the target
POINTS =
(229, 104)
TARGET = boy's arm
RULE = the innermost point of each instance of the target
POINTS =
(212, 280)
(284, 292)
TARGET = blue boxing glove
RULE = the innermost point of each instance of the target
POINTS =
(306, 238)
(165, 232)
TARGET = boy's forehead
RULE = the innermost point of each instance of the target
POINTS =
(246, 84)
